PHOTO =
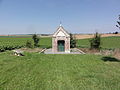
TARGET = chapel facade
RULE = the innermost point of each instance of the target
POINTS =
(61, 41)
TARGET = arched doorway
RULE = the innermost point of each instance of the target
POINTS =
(61, 45)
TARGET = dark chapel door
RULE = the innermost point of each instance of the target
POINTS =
(61, 45)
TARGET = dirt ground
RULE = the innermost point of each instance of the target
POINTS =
(77, 36)
(114, 53)
(85, 36)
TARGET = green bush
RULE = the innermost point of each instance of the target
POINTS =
(95, 42)
(72, 41)
(36, 40)
(29, 44)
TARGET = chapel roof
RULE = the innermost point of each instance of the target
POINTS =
(62, 30)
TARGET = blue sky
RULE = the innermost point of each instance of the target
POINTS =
(44, 16)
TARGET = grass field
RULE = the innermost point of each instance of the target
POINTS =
(106, 42)
(57, 72)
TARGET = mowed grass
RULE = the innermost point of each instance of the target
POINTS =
(57, 72)
(45, 42)
(106, 42)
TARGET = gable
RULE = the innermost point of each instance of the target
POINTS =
(61, 32)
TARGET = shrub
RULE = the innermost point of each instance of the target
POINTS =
(36, 40)
(2, 49)
(29, 44)
(96, 41)
(72, 41)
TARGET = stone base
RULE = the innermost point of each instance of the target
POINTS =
(73, 51)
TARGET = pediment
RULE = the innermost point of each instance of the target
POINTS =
(61, 32)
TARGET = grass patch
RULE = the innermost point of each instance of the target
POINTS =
(106, 43)
(45, 42)
(57, 72)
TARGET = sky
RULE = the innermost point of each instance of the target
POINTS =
(44, 16)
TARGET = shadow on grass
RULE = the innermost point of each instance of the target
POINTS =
(111, 59)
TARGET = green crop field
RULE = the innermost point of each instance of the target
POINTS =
(58, 72)
(9, 43)
(46, 42)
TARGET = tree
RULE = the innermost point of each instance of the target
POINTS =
(72, 41)
(36, 40)
(118, 23)
(96, 41)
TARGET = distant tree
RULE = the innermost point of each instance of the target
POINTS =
(118, 23)
(95, 42)
(72, 41)
(36, 40)
(115, 32)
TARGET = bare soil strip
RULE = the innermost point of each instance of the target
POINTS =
(85, 36)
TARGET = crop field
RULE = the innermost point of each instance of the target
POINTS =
(58, 72)
(9, 43)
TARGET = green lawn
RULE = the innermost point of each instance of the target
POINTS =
(45, 42)
(58, 72)
(106, 42)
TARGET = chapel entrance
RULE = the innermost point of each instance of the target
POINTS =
(61, 45)
(61, 41)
